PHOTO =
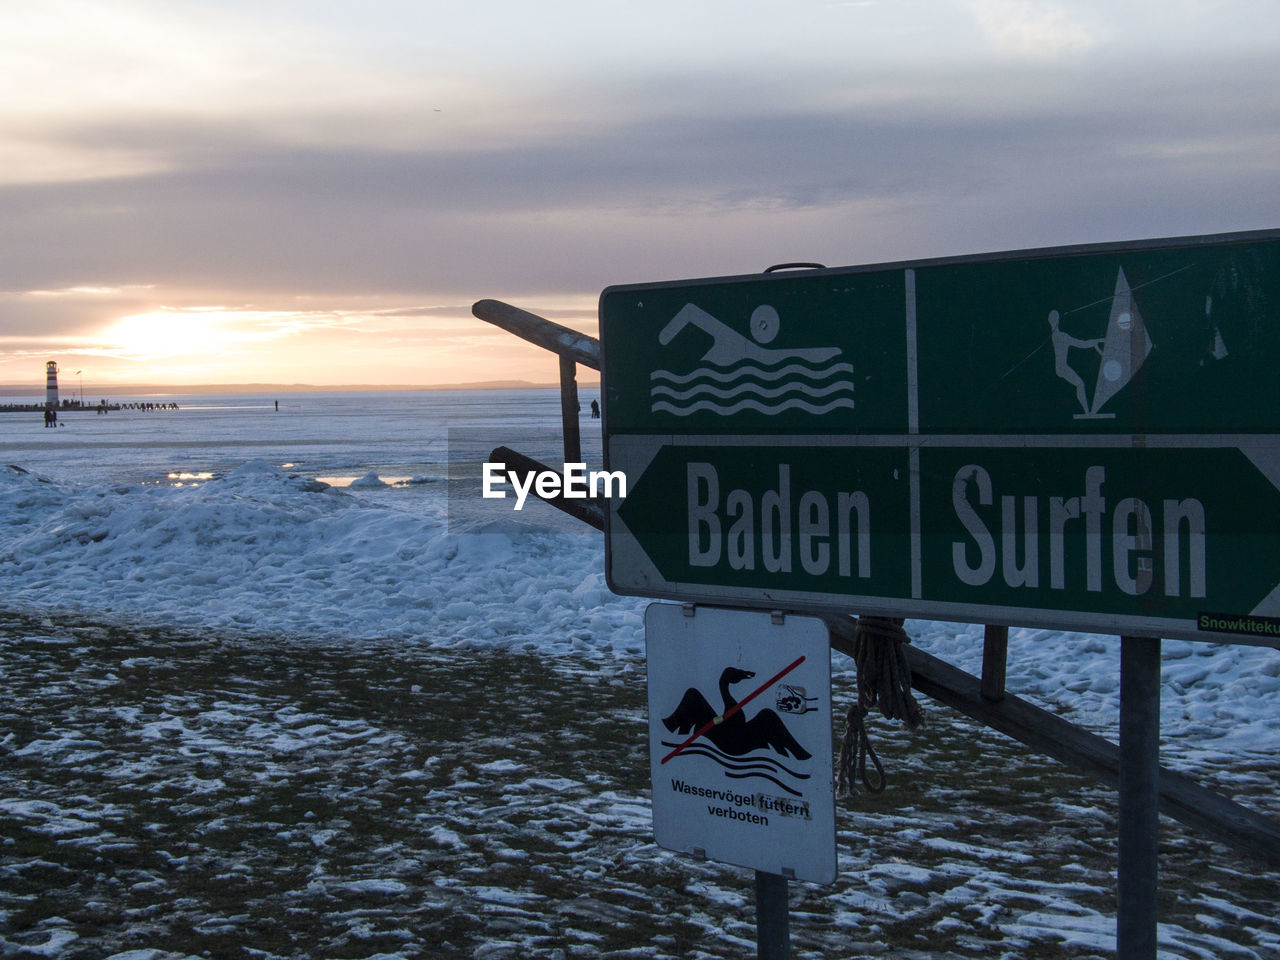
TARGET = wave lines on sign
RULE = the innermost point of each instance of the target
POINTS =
(756, 388)
(741, 766)
(765, 776)
(770, 410)
(752, 370)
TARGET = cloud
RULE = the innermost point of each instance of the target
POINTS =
(72, 60)
(692, 187)
(387, 178)
(1035, 29)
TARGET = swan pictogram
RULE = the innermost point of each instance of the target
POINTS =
(732, 732)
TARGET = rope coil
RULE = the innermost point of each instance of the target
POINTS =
(884, 681)
(855, 749)
(884, 675)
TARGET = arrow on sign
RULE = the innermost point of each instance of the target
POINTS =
(764, 517)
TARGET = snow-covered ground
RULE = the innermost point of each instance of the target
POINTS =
(170, 795)
(331, 521)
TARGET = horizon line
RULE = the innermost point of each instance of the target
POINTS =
(25, 389)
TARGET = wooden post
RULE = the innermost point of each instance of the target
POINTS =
(995, 656)
(1136, 876)
(588, 511)
(773, 924)
(569, 409)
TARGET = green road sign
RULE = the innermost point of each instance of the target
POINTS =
(1083, 438)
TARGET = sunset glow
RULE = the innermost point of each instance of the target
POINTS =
(169, 334)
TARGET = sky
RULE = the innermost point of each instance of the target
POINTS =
(316, 191)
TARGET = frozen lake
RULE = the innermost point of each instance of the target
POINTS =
(399, 434)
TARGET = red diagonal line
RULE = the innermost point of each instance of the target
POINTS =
(735, 708)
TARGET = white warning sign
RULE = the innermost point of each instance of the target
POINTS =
(740, 738)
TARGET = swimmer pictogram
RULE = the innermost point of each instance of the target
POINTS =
(738, 373)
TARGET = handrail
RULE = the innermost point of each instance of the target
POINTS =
(540, 331)
(590, 512)
(571, 346)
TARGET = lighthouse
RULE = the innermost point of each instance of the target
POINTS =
(51, 385)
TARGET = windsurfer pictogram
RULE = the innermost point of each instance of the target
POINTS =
(1123, 350)
(1062, 344)
(738, 373)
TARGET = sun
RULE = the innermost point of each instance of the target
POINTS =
(162, 334)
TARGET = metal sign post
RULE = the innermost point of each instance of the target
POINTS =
(1137, 872)
(773, 921)
(1082, 438)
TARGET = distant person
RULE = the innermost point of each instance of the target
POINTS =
(595, 409)
(277, 406)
